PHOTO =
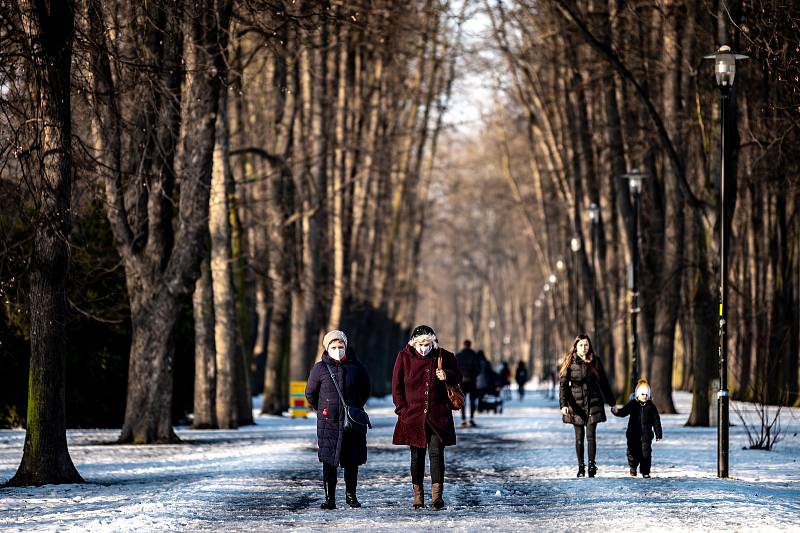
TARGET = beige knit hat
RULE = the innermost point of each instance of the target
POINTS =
(332, 336)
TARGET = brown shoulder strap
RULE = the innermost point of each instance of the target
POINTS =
(440, 358)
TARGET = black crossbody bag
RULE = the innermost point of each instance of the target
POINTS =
(355, 418)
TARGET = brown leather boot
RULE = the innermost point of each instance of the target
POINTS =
(436, 495)
(419, 497)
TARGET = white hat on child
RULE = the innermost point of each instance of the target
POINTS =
(643, 389)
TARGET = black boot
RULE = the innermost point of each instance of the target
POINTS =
(330, 495)
(351, 499)
(592, 469)
(581, 470)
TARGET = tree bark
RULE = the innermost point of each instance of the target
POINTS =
(704, 345)
(228, 374)
(45, 456)
(155, 292)
(204, 352)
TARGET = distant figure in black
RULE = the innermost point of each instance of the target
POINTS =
(487, 381)
(644, 424)
(338, 447)
(521, 377)
(583, 387)
(470, 366)
(504, 375)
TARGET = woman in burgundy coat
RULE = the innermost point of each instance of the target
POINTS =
(424, 417)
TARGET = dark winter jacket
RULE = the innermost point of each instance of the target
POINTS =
(420, 397)
(487, 380)
(644, 419)
(584, 391)
(521, 376)
(469, 364)
(335, 445)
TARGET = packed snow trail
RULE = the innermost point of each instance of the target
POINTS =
(515, 471)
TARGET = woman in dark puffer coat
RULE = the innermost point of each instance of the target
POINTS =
(584, 387)
(425, 420)
(336, 446)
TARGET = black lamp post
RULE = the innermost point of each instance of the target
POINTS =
(635, 179)
(575, 246)
(594, 218)
(725, 72)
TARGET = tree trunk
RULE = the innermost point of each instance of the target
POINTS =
(154, 293)
(148, 406)
(228, 375)
(669, 252)
(336, 220)
(204, 352)
(704, 345)
(45, 456)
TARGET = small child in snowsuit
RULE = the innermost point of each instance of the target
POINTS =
(643, 423)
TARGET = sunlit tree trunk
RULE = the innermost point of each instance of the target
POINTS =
(227, 369)
(204, 352)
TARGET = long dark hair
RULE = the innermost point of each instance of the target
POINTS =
(570, 357)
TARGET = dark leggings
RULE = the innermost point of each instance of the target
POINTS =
(590, 431)
(350, 475)
(436, 453)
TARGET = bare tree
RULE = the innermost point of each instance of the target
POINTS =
(159, 272)
(45, 457)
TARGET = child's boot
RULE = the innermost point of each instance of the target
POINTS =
(592, 469)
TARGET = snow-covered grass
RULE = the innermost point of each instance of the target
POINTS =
(515, 471)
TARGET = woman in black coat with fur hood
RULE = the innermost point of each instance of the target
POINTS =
(338, 447)
(584, 388)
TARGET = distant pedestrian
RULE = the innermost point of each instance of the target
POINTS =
(504, 375)
(583, 388)
(470, 366)
(521, 377)
(487, 381)
(424, 417)
(338, 447)
(644, 424)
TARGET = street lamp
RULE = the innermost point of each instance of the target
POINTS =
(635, 179)
(725, 73)
(575, 246)
(594, 218)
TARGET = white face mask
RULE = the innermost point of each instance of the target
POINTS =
(424, 350)
(336, 353)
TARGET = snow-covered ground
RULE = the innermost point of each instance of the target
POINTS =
(516, 471)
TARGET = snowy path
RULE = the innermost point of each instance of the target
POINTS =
(513, 472)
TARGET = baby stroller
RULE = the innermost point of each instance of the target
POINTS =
(491, 400)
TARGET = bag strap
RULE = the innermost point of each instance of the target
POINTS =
(335, 383)
(440, 358)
